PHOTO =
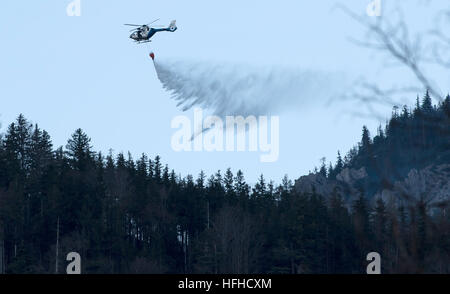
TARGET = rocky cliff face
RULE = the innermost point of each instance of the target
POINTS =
(345, 183)
(431, 184)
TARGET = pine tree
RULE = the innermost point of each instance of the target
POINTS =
(365, 141)
(16, 145)
(339, 164)
(165, 177)
(286, 184)
(421, 234)
(157, 169)
(427, 104)
(323, 168)
(142, 166)
(79, 149)
(380, 225)
(201, 180)
(229, 183)
(446, 106)
(260, 189)
(340, 235)
(360, 216)
(173, 178)
(151, 169)
(240, 186)
(40, 150)
(330, 171)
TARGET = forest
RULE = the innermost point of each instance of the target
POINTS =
(137, 216)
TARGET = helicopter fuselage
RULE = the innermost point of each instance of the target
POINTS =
(145, 33)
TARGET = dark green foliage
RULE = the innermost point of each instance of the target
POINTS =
(136, 216)
(410, 140)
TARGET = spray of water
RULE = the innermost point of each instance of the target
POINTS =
(226, 89)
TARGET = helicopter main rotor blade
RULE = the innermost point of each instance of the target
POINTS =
(133, 25)
(153, 21)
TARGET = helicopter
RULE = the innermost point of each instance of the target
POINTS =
(143, 33)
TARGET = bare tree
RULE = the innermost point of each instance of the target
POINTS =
(237, 241)
(413, 51)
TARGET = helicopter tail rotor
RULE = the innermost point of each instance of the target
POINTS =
(173, 26)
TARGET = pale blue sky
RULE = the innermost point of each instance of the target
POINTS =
(68, 72)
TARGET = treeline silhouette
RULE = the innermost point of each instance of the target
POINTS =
(411, 139)
(125, 215)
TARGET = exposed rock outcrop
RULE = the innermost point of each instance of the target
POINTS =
(311, 182)
(345, 181)
(349, 175)
(431, 184)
